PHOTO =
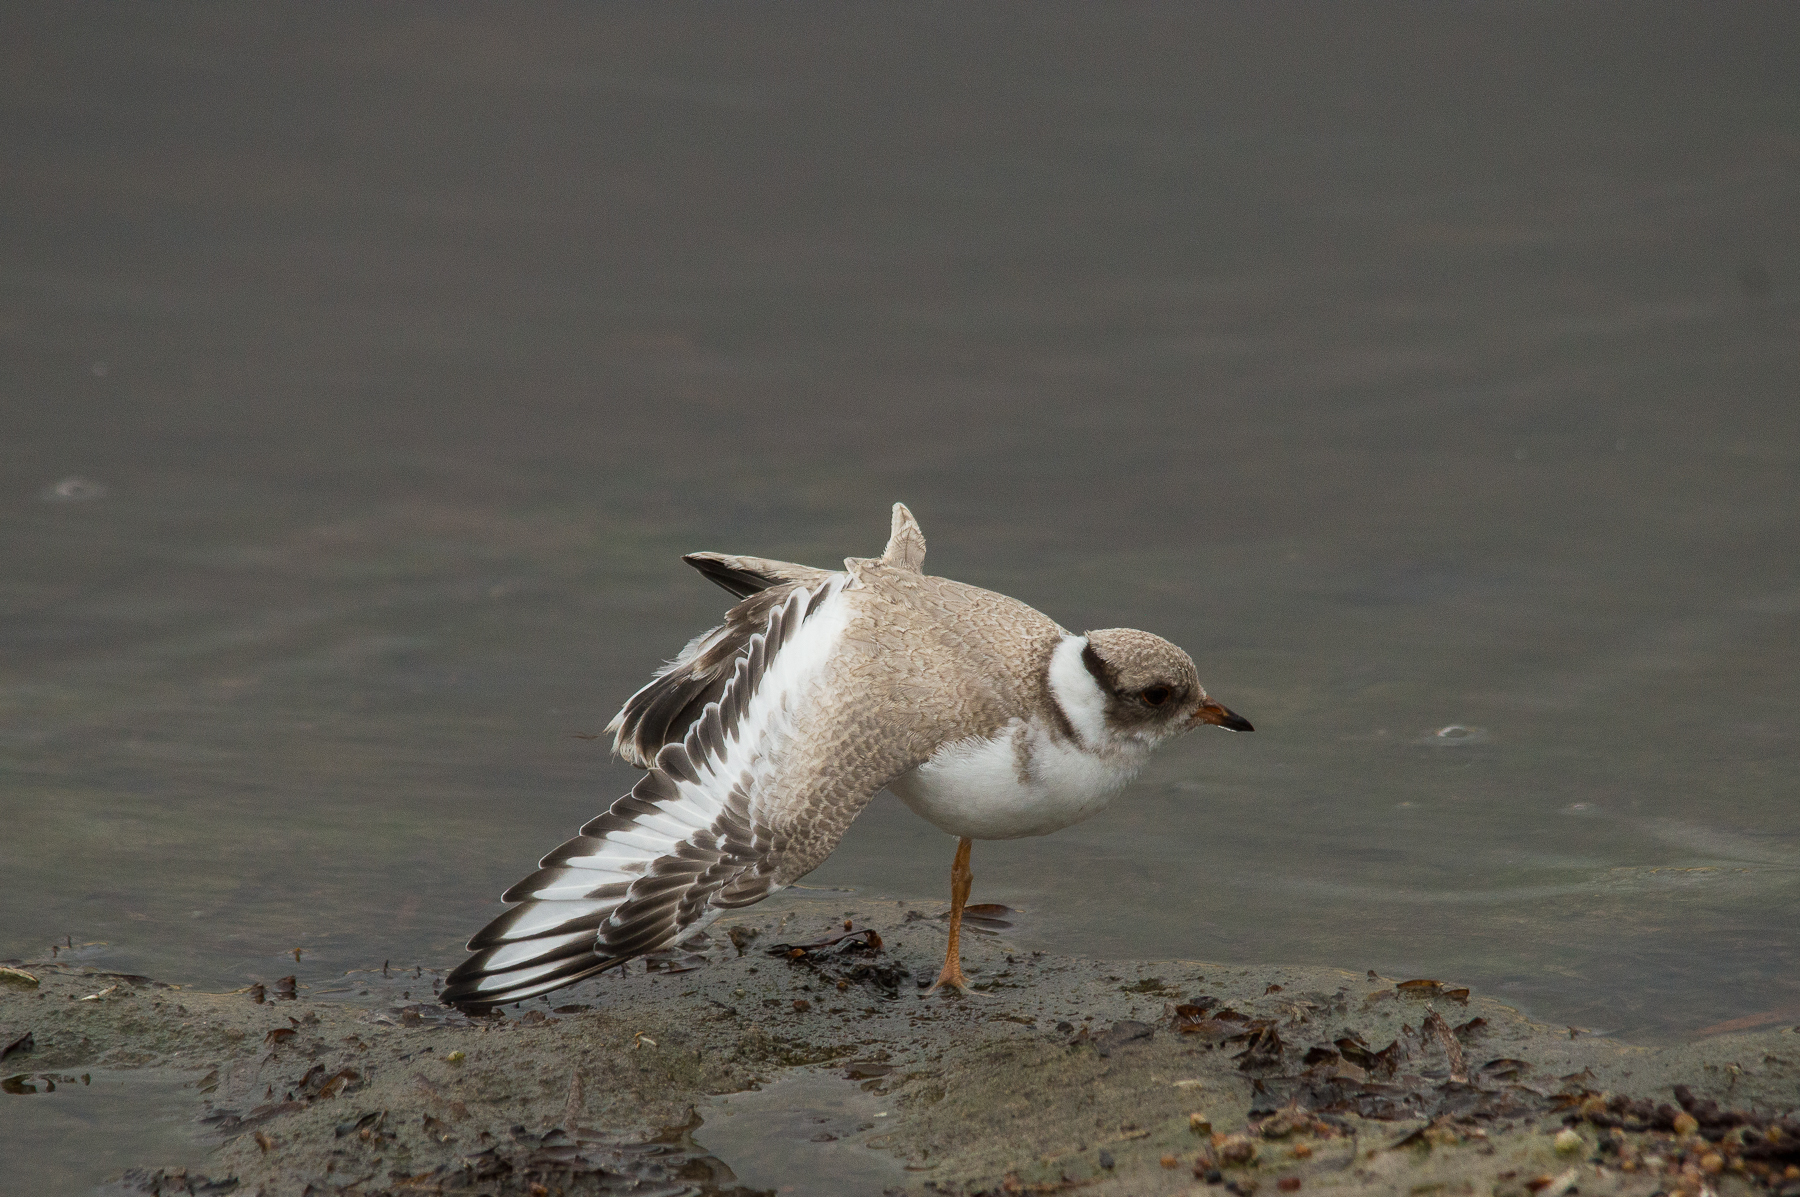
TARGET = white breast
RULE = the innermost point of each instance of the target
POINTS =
(1021, 782)
(1026, 780)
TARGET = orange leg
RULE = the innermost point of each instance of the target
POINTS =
(960, 880)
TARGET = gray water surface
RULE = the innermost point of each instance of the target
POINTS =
(1431, 374)
(64, 1131)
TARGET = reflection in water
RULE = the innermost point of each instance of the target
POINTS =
(1417, 371)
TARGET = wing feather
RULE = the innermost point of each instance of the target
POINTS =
(665, 710)
(697, 834)
(745, 576)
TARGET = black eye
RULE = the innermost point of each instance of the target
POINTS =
(1155, 695)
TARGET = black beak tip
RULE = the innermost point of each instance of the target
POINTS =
(1236, 722)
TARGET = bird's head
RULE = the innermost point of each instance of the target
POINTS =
(1150, 688)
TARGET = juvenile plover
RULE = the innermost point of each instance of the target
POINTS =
(766, 736)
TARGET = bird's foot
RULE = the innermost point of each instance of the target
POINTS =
(952, 979)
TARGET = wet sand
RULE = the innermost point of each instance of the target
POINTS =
(1060, 1073)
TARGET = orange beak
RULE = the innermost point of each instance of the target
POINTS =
(1219, 715)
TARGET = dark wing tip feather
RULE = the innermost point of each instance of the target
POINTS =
(663, 712)
(574, 957)
(673, 760)
(460, 988)
(734, 579)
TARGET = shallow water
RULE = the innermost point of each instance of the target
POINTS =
(366, 374)
(71, 1130)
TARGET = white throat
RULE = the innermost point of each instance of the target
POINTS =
(1075, 690)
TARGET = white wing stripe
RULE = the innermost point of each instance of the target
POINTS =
(547, 916)
(513, 979)
(572, 889)
(529, 951)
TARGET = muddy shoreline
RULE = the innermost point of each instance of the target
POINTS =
(1108, 1077)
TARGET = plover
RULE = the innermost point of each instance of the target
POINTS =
(766, 736)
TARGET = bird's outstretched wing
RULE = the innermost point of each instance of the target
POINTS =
(702, 832)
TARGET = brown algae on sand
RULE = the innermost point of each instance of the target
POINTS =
(1265, 1077)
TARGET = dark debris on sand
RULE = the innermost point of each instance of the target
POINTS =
(1057, 1074)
